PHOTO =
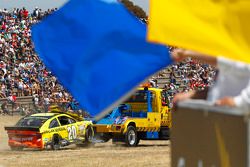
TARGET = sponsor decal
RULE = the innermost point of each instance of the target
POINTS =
(23, 139)
(55, 130)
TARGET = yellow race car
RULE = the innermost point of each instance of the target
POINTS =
(50, 130)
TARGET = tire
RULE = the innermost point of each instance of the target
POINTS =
(131, 137)
(55, 145)
(16, 148)
(164, 133)
(89, 134)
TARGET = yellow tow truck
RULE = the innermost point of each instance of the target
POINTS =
(144, 116)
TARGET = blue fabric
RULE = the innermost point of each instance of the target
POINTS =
(98, 51)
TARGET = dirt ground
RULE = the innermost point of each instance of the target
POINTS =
(147, 154)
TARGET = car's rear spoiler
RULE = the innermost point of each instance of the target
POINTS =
(21, 128)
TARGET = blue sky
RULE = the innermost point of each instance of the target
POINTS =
(45, 4)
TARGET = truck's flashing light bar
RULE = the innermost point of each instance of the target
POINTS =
(145, 85)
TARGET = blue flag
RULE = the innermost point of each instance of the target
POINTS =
(98, 51)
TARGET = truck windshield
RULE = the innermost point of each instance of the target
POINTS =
(32, 121)
(139, 97)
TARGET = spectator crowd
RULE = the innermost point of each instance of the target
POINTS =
(22, 73)
(193, 74)
(185, 76)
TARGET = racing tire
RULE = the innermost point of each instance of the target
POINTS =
(16, 148)
(55, 145)
(131, 137)
(89, 135)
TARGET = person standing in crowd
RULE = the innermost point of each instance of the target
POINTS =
(36, 102)
(12, 100)
(36, 13)
(46, 103)
(4, 108)
(25, 13)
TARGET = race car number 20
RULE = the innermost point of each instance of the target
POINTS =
(71, 132)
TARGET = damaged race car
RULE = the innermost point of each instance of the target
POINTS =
(50, 130)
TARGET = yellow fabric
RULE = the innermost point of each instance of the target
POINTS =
(216, 27)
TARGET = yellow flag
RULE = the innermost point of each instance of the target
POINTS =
(216, 27)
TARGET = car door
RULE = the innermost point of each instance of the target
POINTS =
(70, 127)
(54, 128)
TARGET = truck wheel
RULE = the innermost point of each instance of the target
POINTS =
(131, 138)
(55, 145)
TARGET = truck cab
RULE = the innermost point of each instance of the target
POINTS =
(144, 116)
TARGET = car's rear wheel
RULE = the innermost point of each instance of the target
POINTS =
(55, 145)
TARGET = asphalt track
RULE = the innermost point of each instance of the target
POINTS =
(147, 154)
